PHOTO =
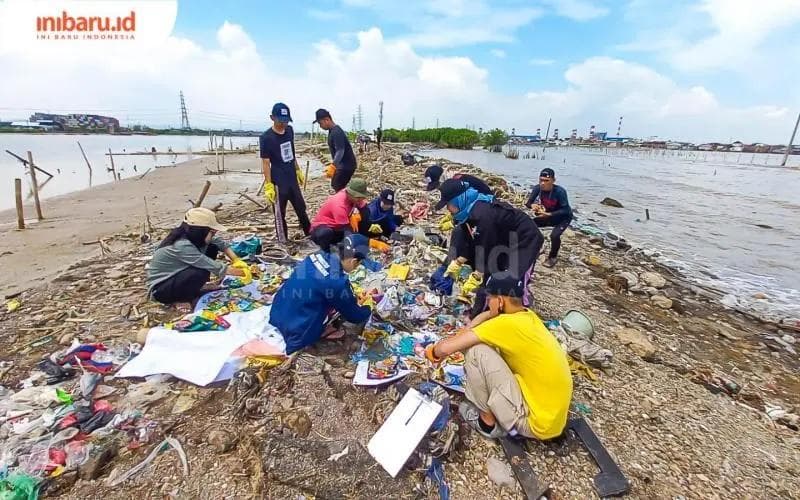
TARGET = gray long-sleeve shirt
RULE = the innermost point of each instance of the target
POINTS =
(341, 151)
(170, 260)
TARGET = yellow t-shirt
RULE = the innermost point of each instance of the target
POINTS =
(539, 365)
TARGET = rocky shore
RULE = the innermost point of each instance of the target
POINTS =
(687, 406)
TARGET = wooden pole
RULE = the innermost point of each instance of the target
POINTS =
(87, 162)
(305, 179)
(647, 213)
(113, 168)
(18, 198)
(203, 194)
(32, 171)
(223, 151)
(791, 141)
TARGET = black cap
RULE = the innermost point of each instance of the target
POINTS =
(547, 173)
(387, 195)
(321, 113)
(449, 190)
(355, 245)
(433, 174)
(505, 284)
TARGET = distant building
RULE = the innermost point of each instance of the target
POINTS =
(79, 121)
(33, 125)
(524, 139)
(737, 147)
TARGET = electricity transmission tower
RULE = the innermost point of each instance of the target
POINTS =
(380, 115)
(184, 114)
(360, 118)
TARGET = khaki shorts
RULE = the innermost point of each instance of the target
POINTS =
(491, 386)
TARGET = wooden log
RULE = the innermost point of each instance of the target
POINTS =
(113, 168)
(32, 171)
(203, 194)
(247, 196)
(27, 163)
(87, 162)
(146, 172)
(18, 198)
(305, 179)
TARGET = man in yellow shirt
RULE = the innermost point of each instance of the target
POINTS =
(517, 377)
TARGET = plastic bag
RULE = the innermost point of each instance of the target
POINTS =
(19, 487)
(247, 245)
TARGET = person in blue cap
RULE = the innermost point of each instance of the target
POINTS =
(282, 174)
(503, 239)
(317, 291)
(382, 219)
(551, 208)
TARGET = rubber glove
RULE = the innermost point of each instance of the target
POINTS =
(301, 178)
(369, 302)
(242, 266)
(472, 283)
(375, 229)
(355, 221)
(446, 223)
(453, 269)
(330, 170)
(430, 356)
(379, 245)
(269, 192)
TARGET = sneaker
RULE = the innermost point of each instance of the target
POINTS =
(551, 262)
(469, 412)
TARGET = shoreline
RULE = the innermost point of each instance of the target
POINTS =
(661, 409)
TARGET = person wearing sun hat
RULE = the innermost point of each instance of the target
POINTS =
(517, 378)
(341, 214)
(187, 257)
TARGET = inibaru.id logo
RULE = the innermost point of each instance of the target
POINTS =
(68, 27)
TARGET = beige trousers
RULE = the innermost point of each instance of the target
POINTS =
(492, 387)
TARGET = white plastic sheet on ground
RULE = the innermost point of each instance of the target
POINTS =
(203, 357)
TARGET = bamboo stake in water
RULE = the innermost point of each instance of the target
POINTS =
(32, 170)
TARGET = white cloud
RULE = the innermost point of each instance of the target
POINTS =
(498, 53)
(541, 62)
(714, 34)
(601, 89)
(577, 10)
(232, 80)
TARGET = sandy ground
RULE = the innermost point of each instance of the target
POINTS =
(47, 247)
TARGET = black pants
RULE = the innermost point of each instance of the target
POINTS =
(341, 178)
(326, 236)
(555, 234)
(291, 193)
(461, 245)
(184, 286)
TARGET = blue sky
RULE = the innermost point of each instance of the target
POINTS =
(702, 70)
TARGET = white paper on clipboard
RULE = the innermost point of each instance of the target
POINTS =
(400, 434)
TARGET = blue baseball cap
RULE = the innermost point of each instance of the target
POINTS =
(280, 112)
(355, 245)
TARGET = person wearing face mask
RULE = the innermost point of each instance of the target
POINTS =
(501, 238)
(183, 263)
(551, 208)
(318, 291)
(517, 378)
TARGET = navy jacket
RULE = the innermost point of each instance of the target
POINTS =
(504, 238)
(555, 202)
(317, 286)
(378, 215)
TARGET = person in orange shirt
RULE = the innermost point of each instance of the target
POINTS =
(517, 379)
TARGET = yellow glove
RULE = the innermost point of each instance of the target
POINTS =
(375, 229)
(369, 302)
(446, 226)
(301, 178)
(269, 192)
(453, 269)
(472, 283)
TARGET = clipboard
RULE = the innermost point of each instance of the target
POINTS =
(400, 434)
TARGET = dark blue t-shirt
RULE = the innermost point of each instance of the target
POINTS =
(279, 150)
